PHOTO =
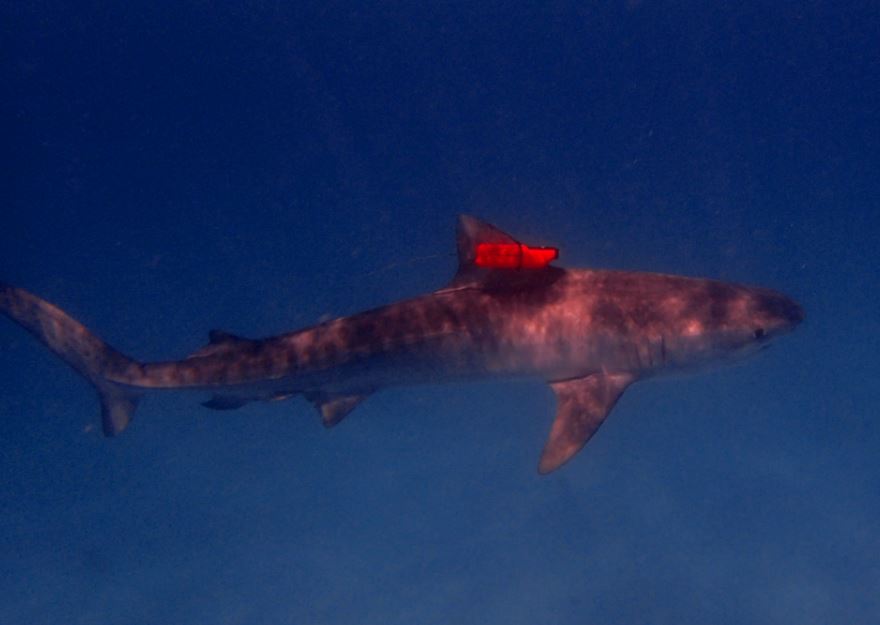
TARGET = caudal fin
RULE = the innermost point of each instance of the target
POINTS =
(79, 348)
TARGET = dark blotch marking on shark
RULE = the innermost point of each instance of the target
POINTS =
(609, 315)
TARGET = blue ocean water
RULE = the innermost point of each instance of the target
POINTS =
(257, 167)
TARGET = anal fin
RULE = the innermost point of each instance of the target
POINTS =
(334, 408)
(582, 405)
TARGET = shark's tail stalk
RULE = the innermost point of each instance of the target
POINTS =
(79, 348)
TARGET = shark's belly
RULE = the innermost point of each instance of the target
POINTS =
(462, 357)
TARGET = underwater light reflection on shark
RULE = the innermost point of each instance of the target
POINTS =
(507, 313)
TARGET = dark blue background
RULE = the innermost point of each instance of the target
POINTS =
(255, 168)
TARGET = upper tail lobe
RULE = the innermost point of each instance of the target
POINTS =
(78, 347)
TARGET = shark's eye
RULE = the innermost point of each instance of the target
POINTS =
(759, 333)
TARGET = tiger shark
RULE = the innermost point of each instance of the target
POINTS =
(508, 312)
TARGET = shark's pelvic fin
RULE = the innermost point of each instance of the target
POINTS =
(582, 405)
(219, 401)
(224, 402)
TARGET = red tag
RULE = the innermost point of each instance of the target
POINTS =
(514, 256)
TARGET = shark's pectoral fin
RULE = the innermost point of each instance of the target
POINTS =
(582, 405)
(334, 408)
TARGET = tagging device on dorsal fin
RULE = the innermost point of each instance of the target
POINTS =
(489, 256)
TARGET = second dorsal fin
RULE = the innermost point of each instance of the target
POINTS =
(222, 336)
(220, 341)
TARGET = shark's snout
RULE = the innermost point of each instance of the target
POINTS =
(789, 310)
(794, 312)
(781, 311)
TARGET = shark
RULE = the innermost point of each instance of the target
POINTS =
(508, 312)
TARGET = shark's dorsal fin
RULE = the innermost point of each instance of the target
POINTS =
(220, 341)
(470, 233)
(480, 243)
(582, 405)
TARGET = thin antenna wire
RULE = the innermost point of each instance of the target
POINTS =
(401, 263)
